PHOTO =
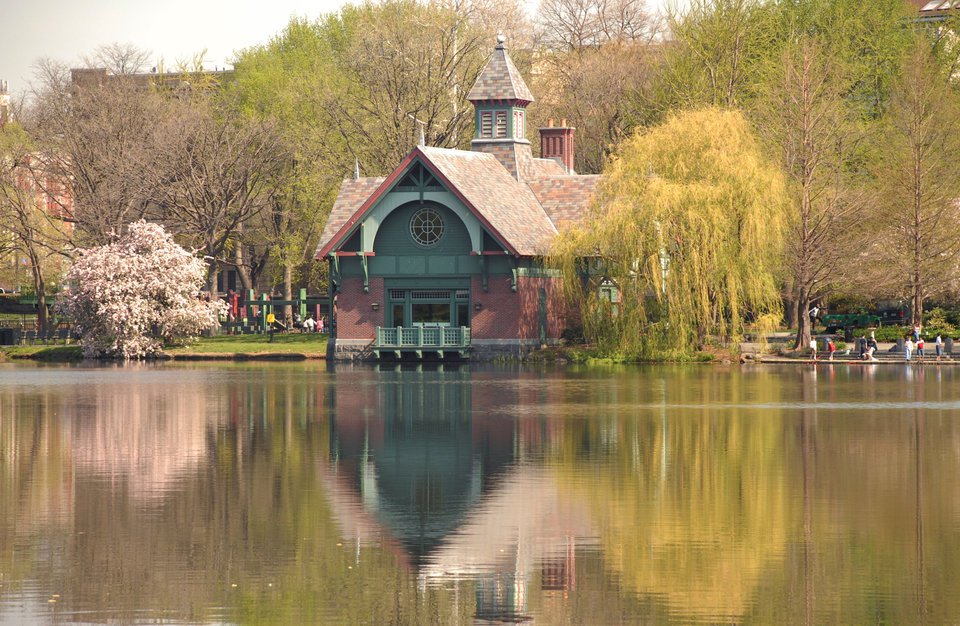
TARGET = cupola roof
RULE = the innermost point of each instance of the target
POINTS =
(500, 79)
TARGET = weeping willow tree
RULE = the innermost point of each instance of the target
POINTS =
(686, 233)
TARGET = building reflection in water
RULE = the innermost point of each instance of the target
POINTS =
(430, 467)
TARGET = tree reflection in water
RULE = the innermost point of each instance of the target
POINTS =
(291, 493)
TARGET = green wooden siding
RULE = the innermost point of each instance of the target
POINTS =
(492, 109)
(426, 265)
(394, 238)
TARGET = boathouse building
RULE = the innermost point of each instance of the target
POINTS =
(442, 255)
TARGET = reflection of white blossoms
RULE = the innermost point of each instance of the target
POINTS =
(145, 436)
(129, 297)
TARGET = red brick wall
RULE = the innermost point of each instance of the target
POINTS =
(356, 319)
(506, 314)
(499, 315)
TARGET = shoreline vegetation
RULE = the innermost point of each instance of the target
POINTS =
(313, 346)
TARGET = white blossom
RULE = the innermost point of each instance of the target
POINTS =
(130, 297)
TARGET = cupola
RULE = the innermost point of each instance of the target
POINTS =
(500, 99)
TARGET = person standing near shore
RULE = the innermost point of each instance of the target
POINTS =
(831, 347)
(862, 344)
(938, 344)
(908, 348)
(920, 348)
(813, 348)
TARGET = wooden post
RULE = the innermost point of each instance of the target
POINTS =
(264, 309)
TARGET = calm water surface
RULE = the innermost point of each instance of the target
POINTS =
(297, 494)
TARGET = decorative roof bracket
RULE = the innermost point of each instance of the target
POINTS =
(484, 273)
(335, 276)
(366, 272)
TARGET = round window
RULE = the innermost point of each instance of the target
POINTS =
(426, 227)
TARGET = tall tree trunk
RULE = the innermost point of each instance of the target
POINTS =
(212, 279)
(916, 302)
(288, 291)
(803, 321)
(789, 309)
(238, 261)
(39, 286)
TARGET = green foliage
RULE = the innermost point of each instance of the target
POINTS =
(722, 47)
(347, 89)
(688, 224)
(866, 40)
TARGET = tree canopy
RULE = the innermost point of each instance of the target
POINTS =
(127, 298)
(688, 226)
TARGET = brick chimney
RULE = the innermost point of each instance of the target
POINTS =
(556, 142)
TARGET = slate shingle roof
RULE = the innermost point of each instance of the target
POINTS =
(500, 80)
(507, 204)
(527, 215)
(541, 168)
(564, 198)
(353, 193)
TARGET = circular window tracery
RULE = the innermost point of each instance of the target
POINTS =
(426, 227)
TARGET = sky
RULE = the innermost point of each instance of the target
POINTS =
(173, 30)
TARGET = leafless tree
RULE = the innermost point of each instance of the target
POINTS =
(34, 227)
(119, 58)
(919, 253)
(595, 91)
(572, 25)
(215, 172)
(803, 117)
(100, 136)
(408, 62)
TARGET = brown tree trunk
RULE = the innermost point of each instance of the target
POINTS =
(288, 292)
(39, 286)
(238, 261)
(789, 310)
(212, 279)
(803, 321)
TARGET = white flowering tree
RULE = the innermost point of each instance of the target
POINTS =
(130, 297)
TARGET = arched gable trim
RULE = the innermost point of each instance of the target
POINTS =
(415, 156)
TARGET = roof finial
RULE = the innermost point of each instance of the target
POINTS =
(422, 124)
(356, 168)
(501, 40)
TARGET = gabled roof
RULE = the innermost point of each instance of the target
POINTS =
(542, 168)
(353, 192)
(507, 204)
(506, 207)
(564, 198)
(500, 79)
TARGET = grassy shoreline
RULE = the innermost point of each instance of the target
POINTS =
(292, 346)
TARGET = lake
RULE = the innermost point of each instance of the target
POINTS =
(297, 493)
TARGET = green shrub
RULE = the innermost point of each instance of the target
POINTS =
(885, 333)
(892, 333)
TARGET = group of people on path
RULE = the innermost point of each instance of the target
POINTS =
(916, 344)
(868, 346)
(309, 325)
